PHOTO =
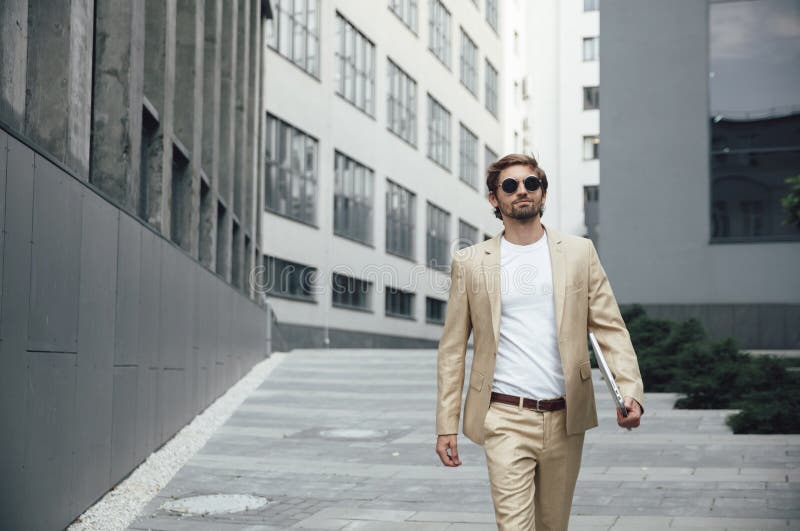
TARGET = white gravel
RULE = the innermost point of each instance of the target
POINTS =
(122, 504)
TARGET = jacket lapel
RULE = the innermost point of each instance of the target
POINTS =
(558, 265)
(491, 277)
(490, 265)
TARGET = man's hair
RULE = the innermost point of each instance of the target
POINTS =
(514, 159)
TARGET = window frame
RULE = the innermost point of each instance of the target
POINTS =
(405, 103)
(354, 187)
(405, 222)
(281, 171)
(437, 244)
(439, 145)
(465, 161)
(491, 95)
(354, 58)
(440, 35)
(309, 28)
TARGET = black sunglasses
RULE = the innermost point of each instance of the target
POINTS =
(531, 182)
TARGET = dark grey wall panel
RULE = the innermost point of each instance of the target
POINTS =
(754, 326)
(771, 326)
(148, 433)
(175, 332)
(791, 317)
(746, 335)
(223, 327)
(172, 400)
(720, 320)
(50, 440)
(3, 158)
(150, 299)
(306, 336)
(204, 333)
(129, 252)
(14, 329)
(77, 420)
(55, 270)
(123, 437)
(96, 333)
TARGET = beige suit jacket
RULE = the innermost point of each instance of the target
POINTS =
(583, 302)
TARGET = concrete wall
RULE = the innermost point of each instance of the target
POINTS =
(655, 225)
(153, 103)
(111, 337)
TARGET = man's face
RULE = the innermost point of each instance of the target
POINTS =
(521, 204)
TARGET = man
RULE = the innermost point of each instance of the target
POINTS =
(530, 295)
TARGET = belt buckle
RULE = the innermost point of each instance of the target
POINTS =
(537, 408)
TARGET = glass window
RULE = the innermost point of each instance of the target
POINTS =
(399, 303)
(491, 89)
(591, 147)
(468, 63)
(439, 31)
(438, 133)
(350, 292)
(468, 157)
(438, 237)
(467, 234)
(489, 157)
(406, 10)
(401, 212)
(290, 176)
(754, 118)
(289, 279)
(591, 98)
(591, 48)
(355, 66)
(401, 103)
(293, 32)
(435, 310)
(352, 199)
(491, 13)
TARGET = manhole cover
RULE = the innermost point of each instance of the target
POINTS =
(215, 504)
(353, 434)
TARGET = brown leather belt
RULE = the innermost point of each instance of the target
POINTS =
(553, 404)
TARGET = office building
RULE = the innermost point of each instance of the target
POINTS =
(381, 118)
(552, 52)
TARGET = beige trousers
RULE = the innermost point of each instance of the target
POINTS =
(533, 467)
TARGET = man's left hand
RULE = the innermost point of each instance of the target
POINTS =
(634, 414)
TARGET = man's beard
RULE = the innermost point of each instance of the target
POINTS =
(525, 211)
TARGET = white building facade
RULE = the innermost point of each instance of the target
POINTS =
(552, 65)
(381, 118)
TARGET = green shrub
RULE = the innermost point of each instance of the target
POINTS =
(714, 375)
(772, 405)
(679, 357)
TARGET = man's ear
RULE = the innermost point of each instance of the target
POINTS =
(492, 198)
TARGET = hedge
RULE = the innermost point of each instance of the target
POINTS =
(680, 357)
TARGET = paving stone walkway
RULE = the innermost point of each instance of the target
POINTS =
(344, 440)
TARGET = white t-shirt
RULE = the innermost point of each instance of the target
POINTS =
(528, 361)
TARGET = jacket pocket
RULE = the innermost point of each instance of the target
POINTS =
(476, 380)
(586, 370)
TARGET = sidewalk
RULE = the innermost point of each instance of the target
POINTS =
(344, 439)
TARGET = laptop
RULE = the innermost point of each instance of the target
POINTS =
(607, 376)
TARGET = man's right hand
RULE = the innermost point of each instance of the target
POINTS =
(445, 443)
